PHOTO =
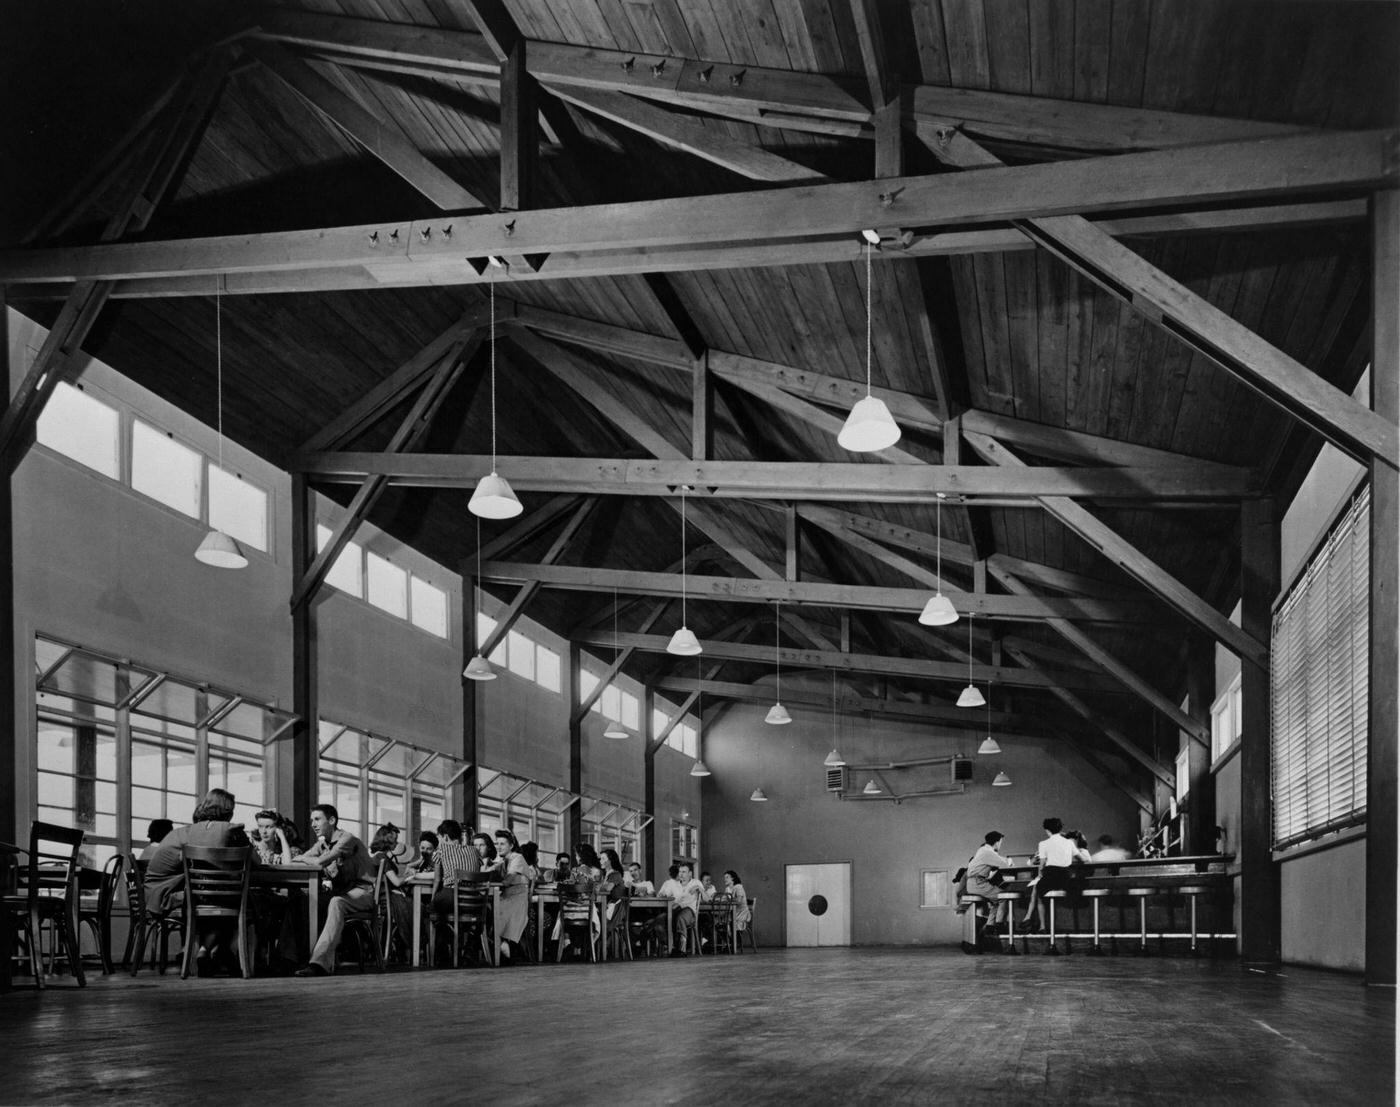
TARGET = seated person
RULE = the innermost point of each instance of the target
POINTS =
(734, 888)
(275, 842)
(1054, 856)
(1107, 851)
(563, 865)
(708, 883)
(981, 870)
(687, 892)
(383, 846)
(272, 839)
(453, 856)
(427, 846)
(352, 872)
(165, 873)
(490, 859)
(1081, 847)
(156, 832)
(636, 882)
(587, 866)
(531, 852)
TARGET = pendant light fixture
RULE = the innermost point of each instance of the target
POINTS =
(834, 760)
(971, 696)
(493, 498)
(939, 611)
(989, 744)
(219, 549)
(1001, 780)
(683, 642)
(698, 769)
(871, 788)
(615, 728)
(869, 426)
(478, 668)
(757, 796)
(777, 714)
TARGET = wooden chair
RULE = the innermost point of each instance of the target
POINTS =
(368, 928)
(48, 894)
(620, 928)
(145, 924)
(578, 911)
(96, 910)
(471, 917)
(216, 887)
(748, 929)
(722, 937)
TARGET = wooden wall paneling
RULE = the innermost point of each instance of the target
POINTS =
(1126, 379)
(1054, 300)
(1022, 348)
(791, 25)
(674, 27)
(1185, 58)
(1151, 416)
(995, 391)
(962, 282)
(584, 22)
(930, 41)
(1089, 404)
(836, 314)
(1009, 45)
(1354, 102)
(766, 41)
(1093, 21)
(642, 35)
(965, 35)
(1126, 70)
(900, 358)
(1052, 49)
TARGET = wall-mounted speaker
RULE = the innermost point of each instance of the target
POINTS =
(836, 779)
(962, 769)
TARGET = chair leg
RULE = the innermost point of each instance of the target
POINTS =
(136, 945)
(36, 960)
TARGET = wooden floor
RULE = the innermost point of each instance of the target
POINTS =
(809, 1026)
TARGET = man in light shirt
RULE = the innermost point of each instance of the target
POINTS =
(687, 893)
(636, 883)
(1107, 851)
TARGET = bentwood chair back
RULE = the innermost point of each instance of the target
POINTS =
(722, 922)
(471, 916)
(49, 894)
(216, 887)
(96, 911)
(748, 927)
(578, 914)
(146, 926)
(369, 926)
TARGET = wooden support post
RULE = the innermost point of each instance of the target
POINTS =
(519, 131)
(305, 678)
(792, 566)
(473, 705)
(9, 661)
(1381, 859)
(649, 781)
(1200, 684)
(702, 398)
(571, 686)
(1260, 920)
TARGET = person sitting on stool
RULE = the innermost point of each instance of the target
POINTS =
(1054, 856)
(982, 868)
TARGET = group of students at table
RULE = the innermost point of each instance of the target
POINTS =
(1055, 857)
(350, 869)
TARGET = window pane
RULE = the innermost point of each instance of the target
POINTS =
(83, 428)
(547, 670)
(659, 719)
(631, 711)
(386, 585)
(164, 469)
(345, 573)
(484, 626)
(522, 655)
(429, 607)
(612, 706)
(237, 508)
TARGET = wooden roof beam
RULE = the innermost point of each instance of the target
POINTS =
(1194, 176)
(855, 596)
(921, 668)
(1127, 557)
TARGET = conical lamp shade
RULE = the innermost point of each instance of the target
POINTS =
(478, 668)
(871, 788)
(220, 550)
(834, 760)
(698, 769)
(493, 499)
(971, 697)
(615, 730)
(758, 796)
(777, 715)
(938, 612)
(1001, 780)
(869, 426)
(989, 746)
(683, 643)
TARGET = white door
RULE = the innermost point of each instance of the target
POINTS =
(819, 904)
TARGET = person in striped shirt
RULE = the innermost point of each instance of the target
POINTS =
(453, 855)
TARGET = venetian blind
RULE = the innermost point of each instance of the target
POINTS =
(1318, 686)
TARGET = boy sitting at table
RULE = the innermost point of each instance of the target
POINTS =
(687, 892)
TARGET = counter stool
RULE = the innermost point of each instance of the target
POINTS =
(1191, 891)
(1141, 894)
(1051, 898)
(970, 920)
(1095, 894)
(1010, 900)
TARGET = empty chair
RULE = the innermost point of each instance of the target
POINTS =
(368, 926)
(216, 893)
(748, 927)
(620, 929)
(722, 923)
(146, 925)
(48, 894)
(96, 911)
(1095, 895)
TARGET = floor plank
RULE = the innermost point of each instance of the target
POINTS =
(811, 1026)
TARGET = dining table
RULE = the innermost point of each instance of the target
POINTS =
(295, 874)
(721, 907)
(545, 894)
(419, 888)
(653, 906)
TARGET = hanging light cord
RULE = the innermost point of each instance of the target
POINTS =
(777, 654)
(493, 366)
(476, 588)
(616, 651)
(969, 649)
(219, 363)
(867, 319)
(939, 572)
(683, 622)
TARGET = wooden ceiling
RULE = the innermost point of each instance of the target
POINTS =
(649, 105)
